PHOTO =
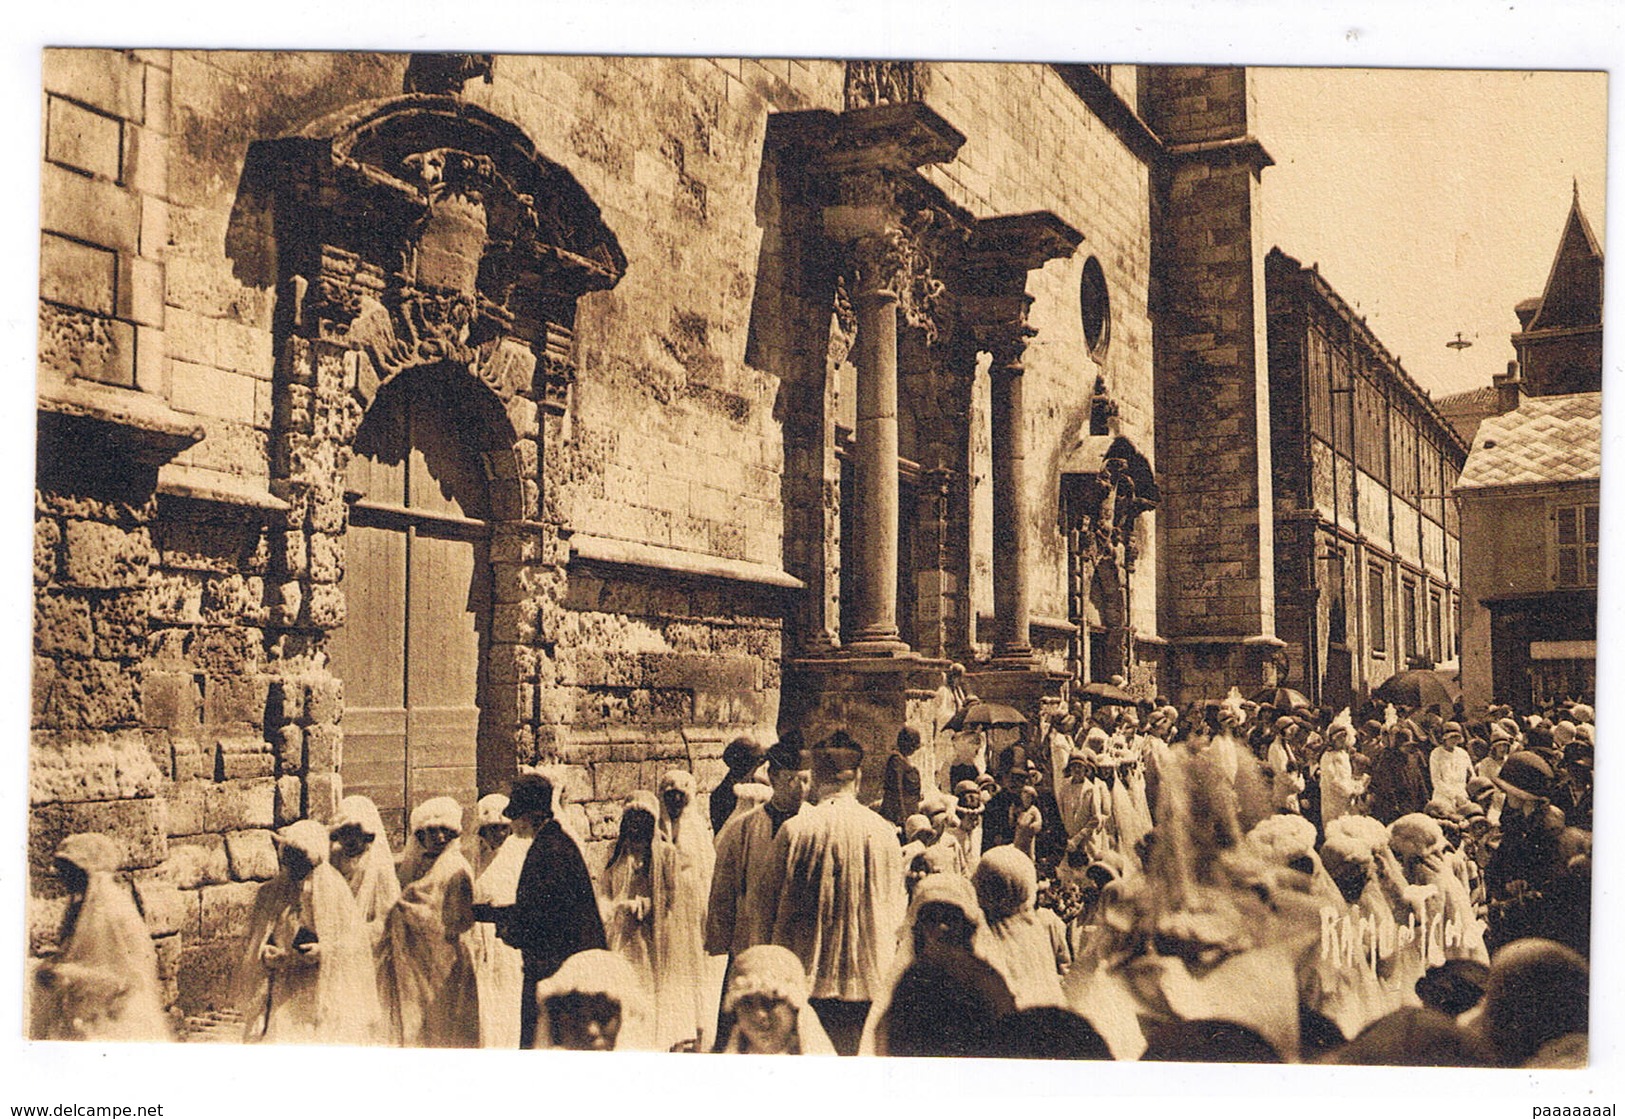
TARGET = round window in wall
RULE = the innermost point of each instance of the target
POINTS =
(1097, 308)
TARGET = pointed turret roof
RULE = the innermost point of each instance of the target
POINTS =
(1573, 293)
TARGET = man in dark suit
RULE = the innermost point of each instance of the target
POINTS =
(555, 912)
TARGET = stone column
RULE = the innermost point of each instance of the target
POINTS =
(872, 564)
(994, 303)
(1012, 511)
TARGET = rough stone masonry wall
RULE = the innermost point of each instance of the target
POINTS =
(165, 714)
(94, 765)
(237, 688)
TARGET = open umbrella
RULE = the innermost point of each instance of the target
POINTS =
(1282, 699)
(1419, 687)
(1102, 692)
(993, 715)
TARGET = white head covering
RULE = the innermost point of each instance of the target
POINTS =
(489, 810)
(749, 795)
(777, 973)
(103, 981)
(599, 972)
(948, 889)
(438, 812)
(1341, 731)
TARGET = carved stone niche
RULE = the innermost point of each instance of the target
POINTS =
(1105, 484)
(424, 229)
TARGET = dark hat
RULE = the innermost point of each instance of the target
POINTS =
(1013, 757)
(743, 752)
(788, 752)
(840, 751)
(1578, 751)
(1526, 773)
(531, 792)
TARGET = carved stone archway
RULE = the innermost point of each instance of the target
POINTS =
(421, 235)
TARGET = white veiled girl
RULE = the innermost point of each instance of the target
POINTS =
(767, 1003)
(427, 972)
(1033, 944)
(947, 936)
(684, 863)
(1339, 788)
(361, 853)
(628, 891)
(498, 967)
(102, 983)
(306, 974)
(593, 1002)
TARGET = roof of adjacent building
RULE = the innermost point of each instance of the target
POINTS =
(1466, 410)
(1545, 439)
(1473, 400)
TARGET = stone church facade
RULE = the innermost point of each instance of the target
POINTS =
(407, 419)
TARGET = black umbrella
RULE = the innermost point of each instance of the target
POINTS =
(1282, 699)
(1419, 687)
(993, 715)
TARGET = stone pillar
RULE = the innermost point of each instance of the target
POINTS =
(861, 169)
(1217, 594)
(994, 303)
(872, 563)
(1012, 514)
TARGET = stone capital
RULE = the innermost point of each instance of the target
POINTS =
(999, 326)
(898, 137)
(1021, 242)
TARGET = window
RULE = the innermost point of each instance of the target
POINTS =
(1577, 545)
(1376, 609)
(1095, 303)
(1436, 650)
(1337, 601)
(1319, 372)
(1408, 619)
(1370, 428)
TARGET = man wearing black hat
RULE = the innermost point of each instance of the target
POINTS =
(555, 912)
(740, 914)
(743, 757)
(1526, 865)
(741, 911)
(838, 877)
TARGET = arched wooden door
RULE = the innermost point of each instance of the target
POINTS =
(417, 581)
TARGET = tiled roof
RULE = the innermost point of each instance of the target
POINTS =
(1546, 439)
(1473, 400)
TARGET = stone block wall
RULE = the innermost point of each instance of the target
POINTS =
(185, 600)
(103, 220)
(1213, 393)
(653, 673)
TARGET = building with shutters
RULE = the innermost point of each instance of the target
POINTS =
(405, 420)
(1530, 498)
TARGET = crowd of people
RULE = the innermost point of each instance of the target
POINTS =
(1235, 881)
